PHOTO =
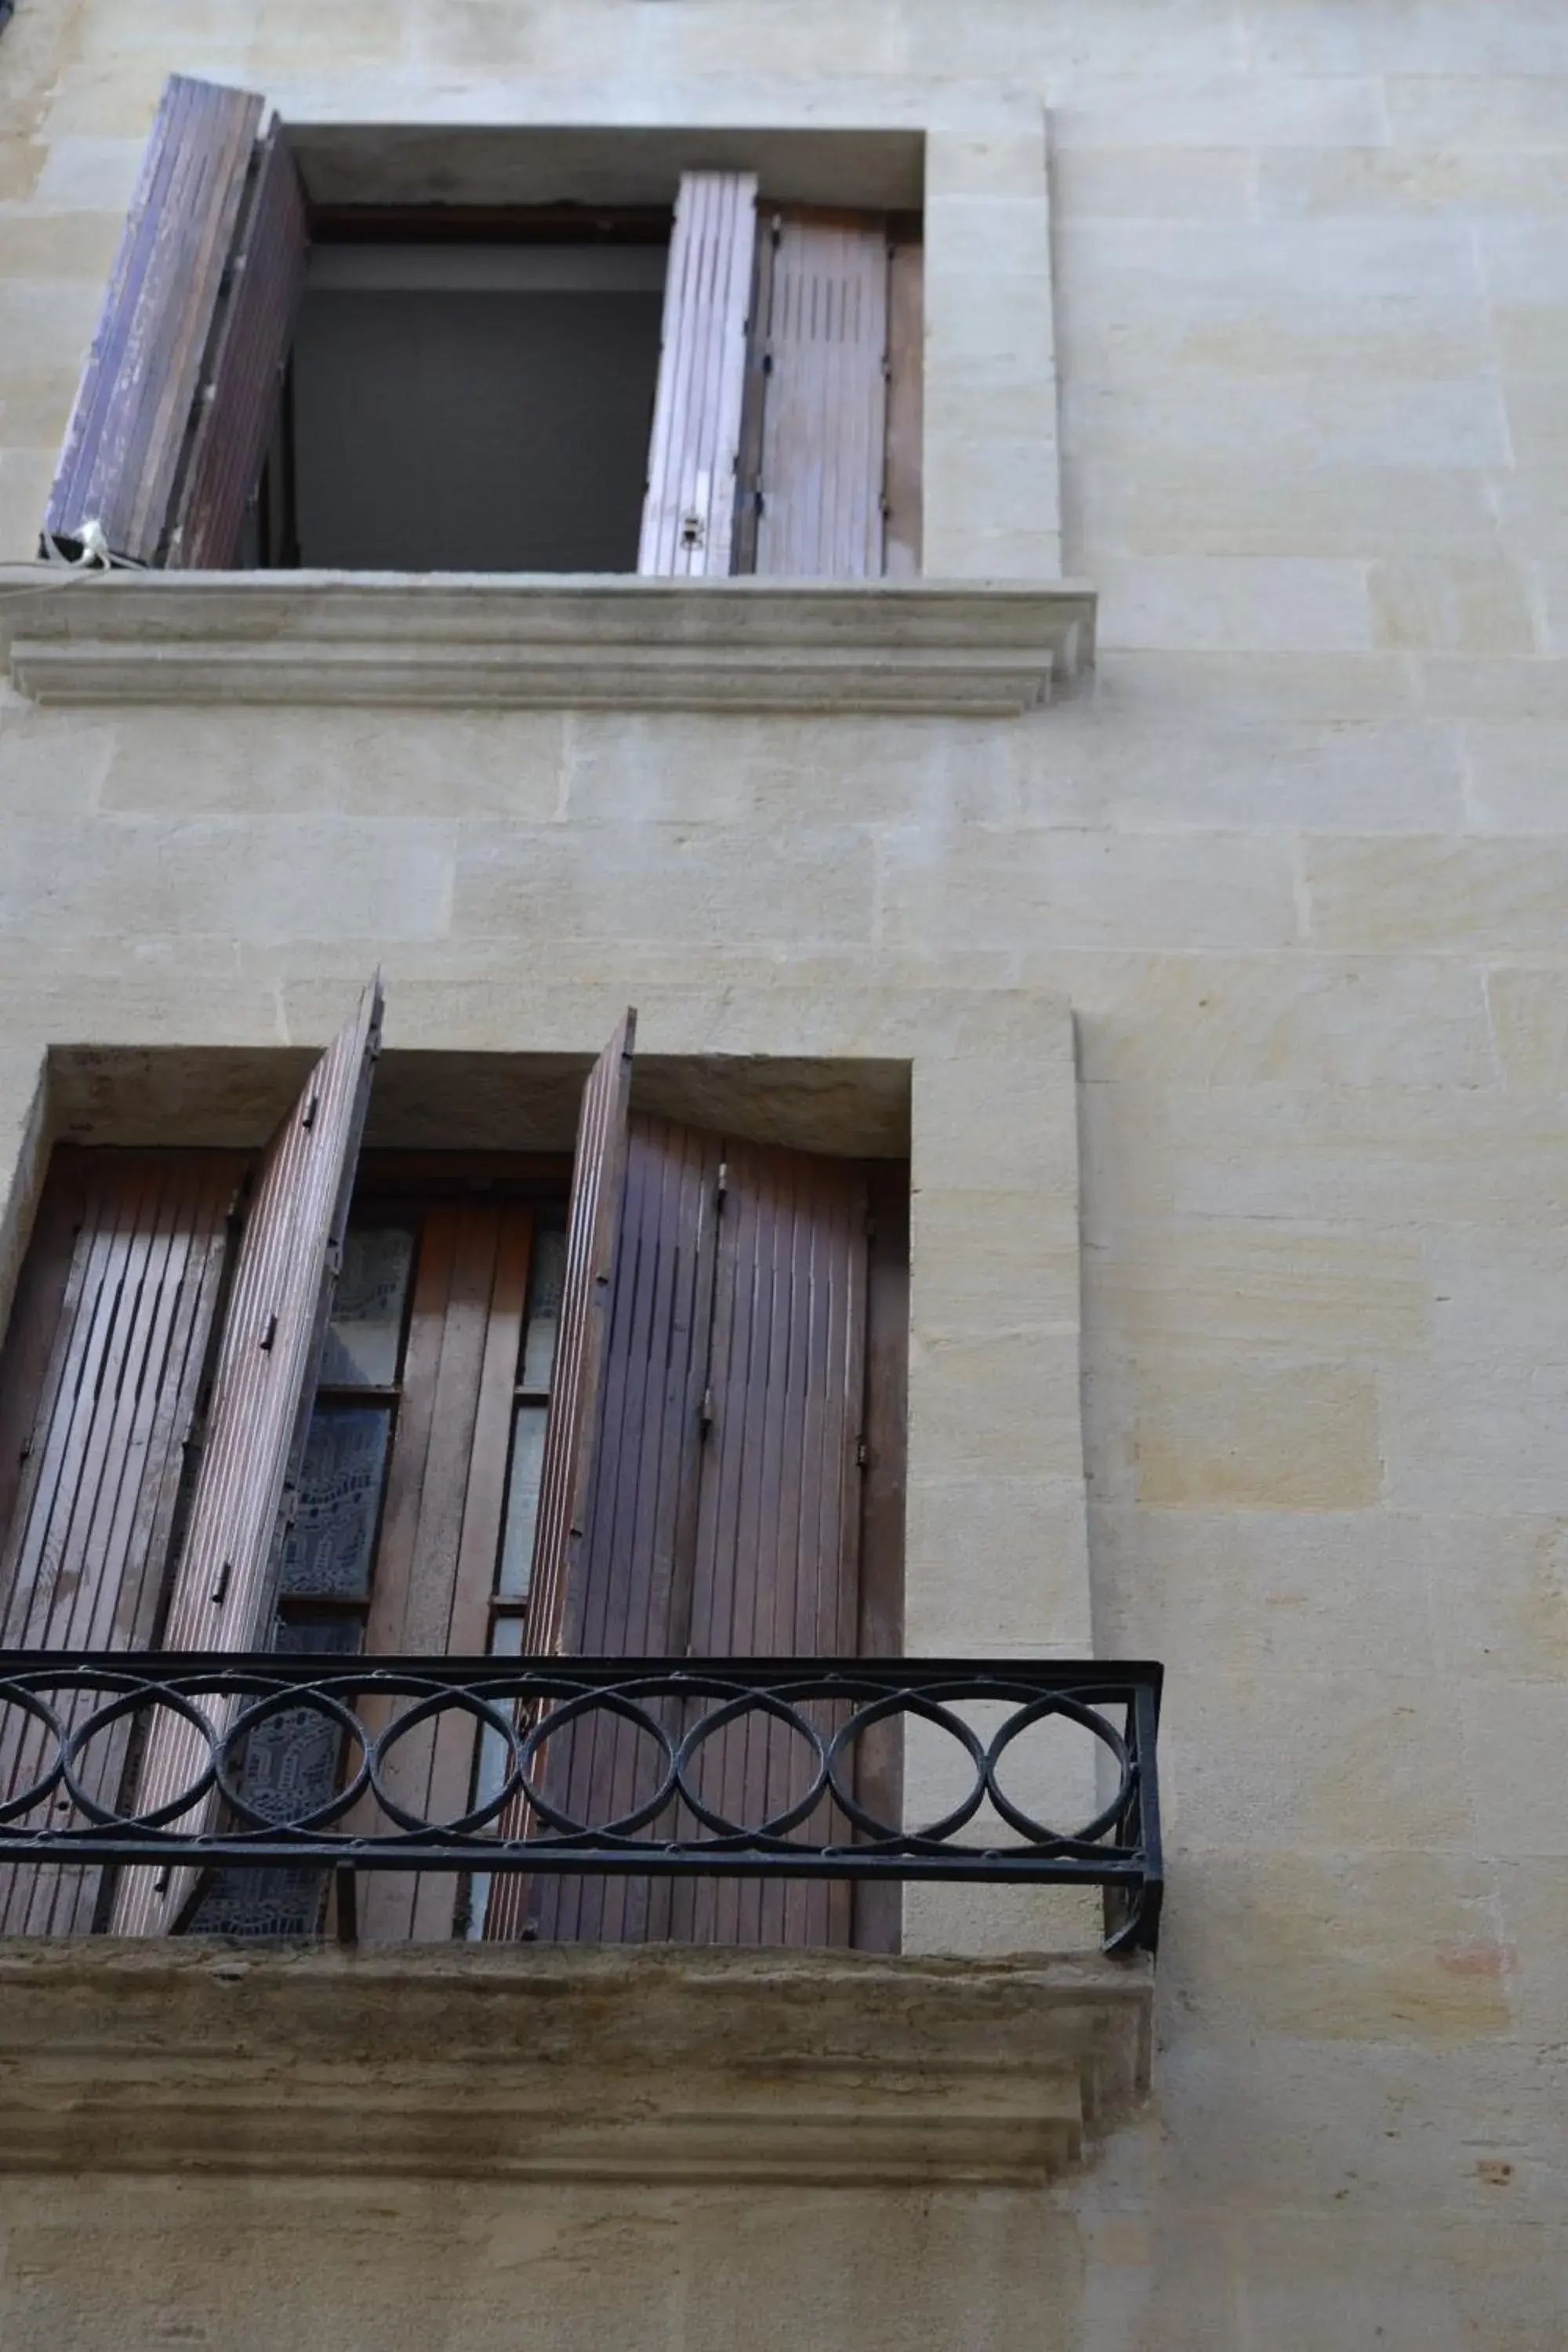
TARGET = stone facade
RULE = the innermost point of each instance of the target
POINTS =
(1236, 990)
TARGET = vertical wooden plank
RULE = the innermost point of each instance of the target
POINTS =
(644, 1496)
(133, 406)
(689, 512)
(85, 1555)
(577, 1397)
(777, 1566)
(906, 409)
(880, 1760)
(826, 411)
(238, 401)
(262, 1392)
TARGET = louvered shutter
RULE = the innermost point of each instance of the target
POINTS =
(904, 520)
(725, 1506)
(262, 1391)
(689, 512)
(633, 1596)
(776, 1572)
(576, 1393)
(821, 446)
(239, 403)
(109, 1343)
(130, 426)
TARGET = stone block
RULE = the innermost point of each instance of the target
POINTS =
(1509, 1731)
(1247, 1433)
(1154, 503)
(1475, 1436)
(986, 1261)
(704, 885)
(997, 1564)
(1432, 604)
(1508, 114)
(1085, 888)
(1006, 1402)
(1254, 1286)
(1155, 183)
(1214, 107)
(1530, 1022)
(1487, 896)
(1325, 1020)
(1236, 603)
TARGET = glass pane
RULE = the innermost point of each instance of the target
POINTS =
(548, 1274)
(367, 1312)
(327, 1551)
(522, 1500)
(290, 1766)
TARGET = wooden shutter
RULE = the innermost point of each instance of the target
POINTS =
(239, 400)
(132, 414)
(726, 1503)
(816, 430)
(777, 1556)
(99, 1382)
(262, 1392)
(689, 513)
(576, 1390)
(634, 1592)
(442, 1521)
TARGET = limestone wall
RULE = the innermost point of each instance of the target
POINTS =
(1300, 863)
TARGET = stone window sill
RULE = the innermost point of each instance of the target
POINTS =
(982, 648)
(562, 2063)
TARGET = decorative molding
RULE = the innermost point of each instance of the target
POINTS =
(983, 648)
(561, 2063)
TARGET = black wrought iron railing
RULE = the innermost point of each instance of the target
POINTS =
(1039, 1774)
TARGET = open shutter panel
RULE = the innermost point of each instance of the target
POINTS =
(139, 1239)
(576, 1397)
(778, 1539)
(906, 410)
(132, 414)
(726, 1505)
(262, 1392)
(689, 513)
(238, 402)
(823, 325)
(633, 1596)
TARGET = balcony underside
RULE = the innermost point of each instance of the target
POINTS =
(562, 2063)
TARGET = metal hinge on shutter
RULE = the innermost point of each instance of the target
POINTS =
(862, 1454)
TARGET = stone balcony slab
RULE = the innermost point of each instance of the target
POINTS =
(562, 2063)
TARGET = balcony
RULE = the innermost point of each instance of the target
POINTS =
(590, 2059)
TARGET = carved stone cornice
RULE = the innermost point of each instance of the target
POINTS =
(982, 648)
(561, 2063)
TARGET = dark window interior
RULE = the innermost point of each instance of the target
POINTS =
(467, 403)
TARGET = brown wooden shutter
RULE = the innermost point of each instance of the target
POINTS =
(634, 1593)
(260, 1410)
(689, 513)
(239, 402)
(778, 1536)
(824, 399)
(577, 1392)
(726, 1503)
(133, 407)
(442, 1520)
(577, 1385)
(106, 1354)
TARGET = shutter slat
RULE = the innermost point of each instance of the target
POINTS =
(262, 1390)
(778, 1539)
(240, 404)
(824, 406)
(689, 512)
(593, 1222)
(634, 1596)
(133, 413)
(83, 1563)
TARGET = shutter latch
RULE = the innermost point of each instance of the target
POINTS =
(862, 1454)
(706, 1412)
(220, 1589)
(270, 1334)
(722, 1189)
(692, 534)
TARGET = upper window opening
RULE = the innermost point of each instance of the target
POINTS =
(726, 382)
